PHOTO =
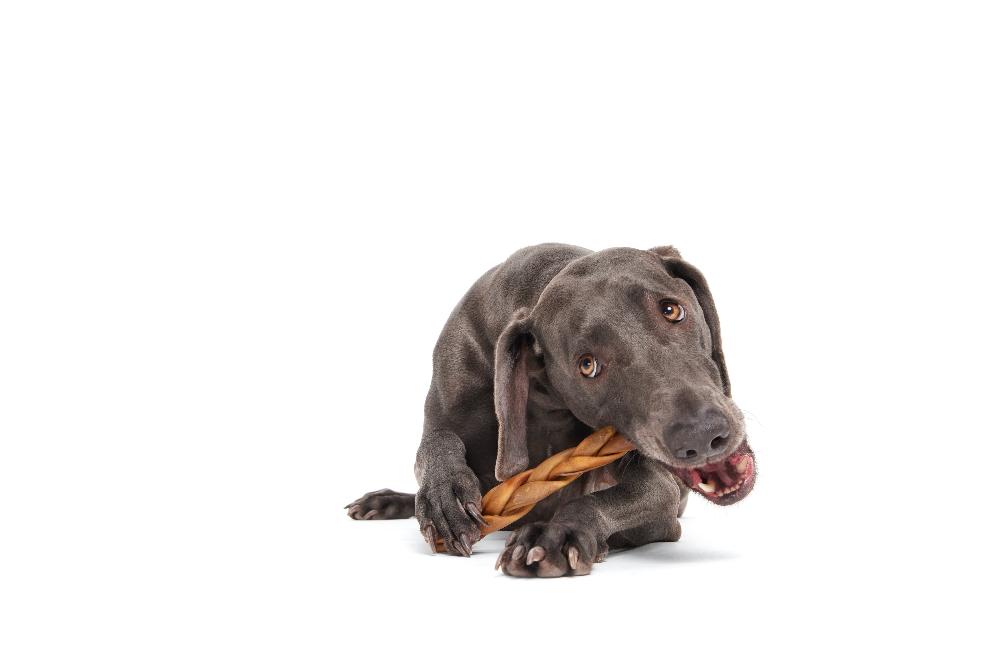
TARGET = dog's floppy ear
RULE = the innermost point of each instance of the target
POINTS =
(678, 268)
(510, 395)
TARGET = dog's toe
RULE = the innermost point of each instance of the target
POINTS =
(383, 504)
(551, 549)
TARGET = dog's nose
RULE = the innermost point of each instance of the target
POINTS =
(699, 436)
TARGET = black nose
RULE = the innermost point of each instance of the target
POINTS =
(702, 434)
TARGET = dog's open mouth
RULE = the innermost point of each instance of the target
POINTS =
(723, 482)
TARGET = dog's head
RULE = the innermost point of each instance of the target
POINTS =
(629, 338)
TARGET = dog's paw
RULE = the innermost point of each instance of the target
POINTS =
(449, 507)
(551, 549)
(384, 504)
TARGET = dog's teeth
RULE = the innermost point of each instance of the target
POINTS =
(707, 487)
(743, 465)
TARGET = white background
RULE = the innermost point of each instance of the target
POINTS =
(231, 233)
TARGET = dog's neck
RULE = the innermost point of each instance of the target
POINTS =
(552, 427)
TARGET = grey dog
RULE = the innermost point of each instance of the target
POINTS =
(544, 348)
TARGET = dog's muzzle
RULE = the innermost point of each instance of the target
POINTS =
(725, 481)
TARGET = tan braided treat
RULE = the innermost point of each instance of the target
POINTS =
(510, 500)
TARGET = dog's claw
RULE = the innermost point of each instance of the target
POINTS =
(459, 548)
(474, 512)
(536, 554)
(500, 559)
(430, 536)
(573, 555)
(369, 514)
(518, 552)
(467, 545)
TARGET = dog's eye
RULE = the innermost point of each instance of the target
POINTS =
(589, 366)
(672, 310)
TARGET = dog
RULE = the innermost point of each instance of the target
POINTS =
(546, 347)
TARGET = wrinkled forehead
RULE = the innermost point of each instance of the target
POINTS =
(602, 294)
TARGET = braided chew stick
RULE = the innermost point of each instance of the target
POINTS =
(510, 500)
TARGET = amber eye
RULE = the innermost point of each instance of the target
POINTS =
(588, 365)
(672, 310)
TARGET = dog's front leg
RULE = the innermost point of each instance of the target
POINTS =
(643, 507)
(449, 501)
